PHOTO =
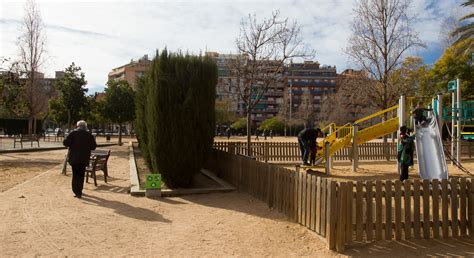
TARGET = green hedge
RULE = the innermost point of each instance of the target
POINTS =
(175, 115)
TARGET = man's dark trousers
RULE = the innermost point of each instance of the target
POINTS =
(304, 148)
(78, 172)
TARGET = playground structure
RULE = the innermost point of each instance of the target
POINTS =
(431, 154)
(349, 134)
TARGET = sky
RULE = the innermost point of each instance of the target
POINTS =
(101, 35)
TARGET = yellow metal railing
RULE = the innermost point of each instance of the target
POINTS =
(341, 136)
(335, 140)
(380, 113)
(328, 127)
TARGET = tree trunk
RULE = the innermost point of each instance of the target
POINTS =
(30, 125)
(120, 134)
(69, 119)
(34, 125)
(249, 134)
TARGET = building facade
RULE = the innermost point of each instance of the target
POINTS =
(307, 85)
(302, 86)
(226, 88)
(130, 71)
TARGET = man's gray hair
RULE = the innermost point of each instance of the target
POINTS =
(81, 123)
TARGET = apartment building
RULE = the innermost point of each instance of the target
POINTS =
(226, 88)
(307, 84)
(130, 71)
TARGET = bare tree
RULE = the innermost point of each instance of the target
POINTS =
(283, 111)
(265, 47)
(350, 102)
(306, 113)
(381, 35)
(31, 44)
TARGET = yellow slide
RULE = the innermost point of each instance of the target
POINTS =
(342, 136)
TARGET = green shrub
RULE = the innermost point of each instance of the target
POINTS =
(273, 124)
(240, 125)
(179, 119)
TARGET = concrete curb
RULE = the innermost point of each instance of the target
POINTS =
(47, 149)
(136, 191)
(134, 182)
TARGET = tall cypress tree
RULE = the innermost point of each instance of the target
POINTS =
(178, 115)
(140, 111)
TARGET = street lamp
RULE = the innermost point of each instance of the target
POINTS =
(291, 93)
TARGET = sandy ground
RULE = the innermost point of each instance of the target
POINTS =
(41, 217)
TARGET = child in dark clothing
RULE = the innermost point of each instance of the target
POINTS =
(405, 152)
(419, 115)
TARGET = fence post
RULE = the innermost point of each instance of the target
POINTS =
(327, 158)
(331, 216)
(265, 151)
(231, 147)
(240, 171)
(470, 205)
(341, 217)
(355, 150)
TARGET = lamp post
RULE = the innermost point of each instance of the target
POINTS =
(291, 102)
(291, 93)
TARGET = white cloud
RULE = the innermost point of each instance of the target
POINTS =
(101, 35)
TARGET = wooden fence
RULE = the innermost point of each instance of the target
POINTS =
(344, 212)
(289, 151)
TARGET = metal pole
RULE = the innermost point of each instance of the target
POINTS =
(433, 104)
(401, 120)
(328, 158)
(331, 159)
(440, 113)
(458, 135)
(453, 115)
(401, 112)
(291, 102)
(355, 150)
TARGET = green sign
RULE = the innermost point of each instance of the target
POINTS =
(153, 181)
(452, 85)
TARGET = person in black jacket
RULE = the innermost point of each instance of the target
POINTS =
(419, 114)
(80, 143)
(307, 142)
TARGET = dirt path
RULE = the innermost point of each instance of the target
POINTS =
(43, 218)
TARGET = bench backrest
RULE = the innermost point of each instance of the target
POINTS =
(28, 137)
(100, 158)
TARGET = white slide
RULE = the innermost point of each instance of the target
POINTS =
(429, 150)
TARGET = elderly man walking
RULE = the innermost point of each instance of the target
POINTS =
(80, 143)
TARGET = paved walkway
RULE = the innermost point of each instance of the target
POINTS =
(41, 217)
